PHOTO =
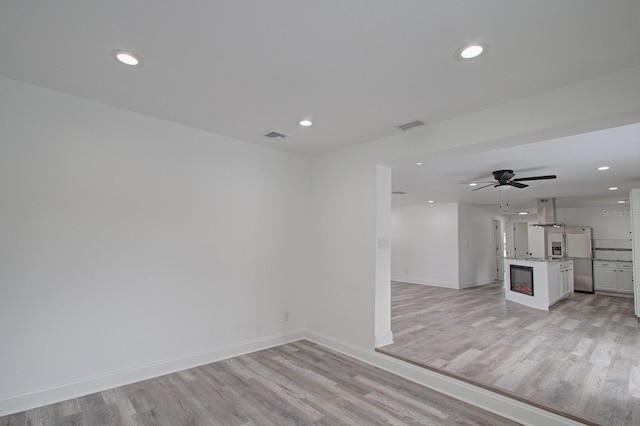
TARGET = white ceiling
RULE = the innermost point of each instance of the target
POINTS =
(357, 68)
(444, 178)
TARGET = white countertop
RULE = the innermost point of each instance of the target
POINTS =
(538, 259)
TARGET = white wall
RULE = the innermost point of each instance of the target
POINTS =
(445, 245)
(608, 222)
(424, 245)
(475, 248)
(127, 242)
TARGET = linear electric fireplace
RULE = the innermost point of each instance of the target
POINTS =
(522, 279)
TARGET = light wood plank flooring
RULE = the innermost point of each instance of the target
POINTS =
(299, 383)
(581, 358)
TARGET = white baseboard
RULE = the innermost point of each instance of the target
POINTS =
(14, 403)
(490, 401)
(411, 280)
(476, 284)
(384, 340)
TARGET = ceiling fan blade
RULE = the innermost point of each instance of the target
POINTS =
(534, 178)
(476, 181)
(486, 186)
(517, 184)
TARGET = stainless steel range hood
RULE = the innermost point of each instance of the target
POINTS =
(547, 213)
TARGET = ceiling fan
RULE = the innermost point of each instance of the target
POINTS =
(505, 178)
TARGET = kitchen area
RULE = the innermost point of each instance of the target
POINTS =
(557, 258)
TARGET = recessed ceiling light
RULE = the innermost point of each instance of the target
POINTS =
(419, 164)
(127, 58)
(613, 188)
(470, 51)
(473, 184)
(523, 213)
(430, 201)
(604, 168)
(621, 202)
(305, 123)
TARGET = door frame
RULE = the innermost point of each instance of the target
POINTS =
(497, 245)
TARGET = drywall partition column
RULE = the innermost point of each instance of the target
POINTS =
(383, 335)
(342, 296)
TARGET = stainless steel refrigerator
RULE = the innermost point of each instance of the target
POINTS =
(578, 246)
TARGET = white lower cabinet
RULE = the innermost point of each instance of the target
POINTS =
(625, 278)
(564, 285)
(565, 280)
(614, 277)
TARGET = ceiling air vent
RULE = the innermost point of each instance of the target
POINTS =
(398, 192)
(275, 135)
(410, 125)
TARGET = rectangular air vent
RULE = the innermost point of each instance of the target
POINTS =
(398, 192)
(274, 134)
(411, 125)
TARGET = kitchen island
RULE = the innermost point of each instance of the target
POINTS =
(538, 282)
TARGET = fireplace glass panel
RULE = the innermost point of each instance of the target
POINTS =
(522, 279)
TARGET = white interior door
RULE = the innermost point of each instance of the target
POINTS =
(520, 239)
(536, 243)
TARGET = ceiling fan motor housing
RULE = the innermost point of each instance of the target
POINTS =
(503, 176)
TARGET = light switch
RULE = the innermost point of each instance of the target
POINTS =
(384, 242)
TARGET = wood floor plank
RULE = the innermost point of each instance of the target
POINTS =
(399, 396)
(582, 357)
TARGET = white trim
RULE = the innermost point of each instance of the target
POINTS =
(411, 280)
(384, 340)
(634, 212)
(15, 403)
(490, 401)
(476, 284)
